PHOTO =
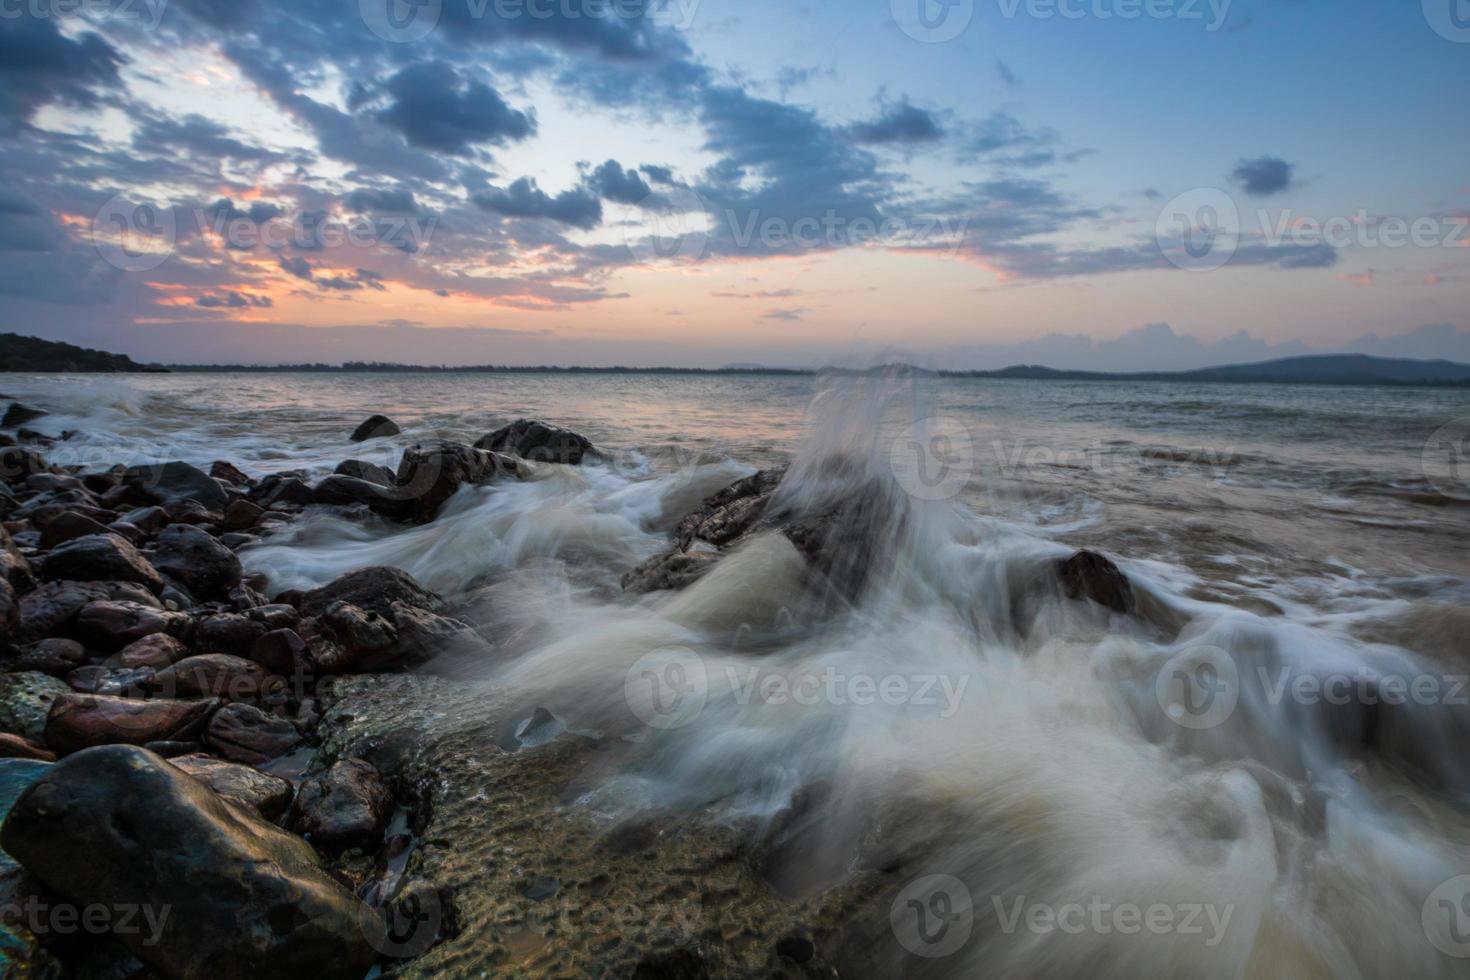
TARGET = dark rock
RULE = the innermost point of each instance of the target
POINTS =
(375, 427)
(102, 482)
(68, 527)
(243, 598)
(235, 540)
(346, 491)
(670, 570)
(51, 610)
(157, 651)
(56, 657)
(9, 613)
(431, 473)
(282, 652)
(32, 437)
(228, 473)
(150, 520)
(46, 482)
(246, 899)
(132, 532)
(100, 557)
(276, 615)
(231, 633)
(175, 750)
(126, 496)
(240, 515)
(730, 513)
(111, 625)
(375, 589)
(538, 441)
(80, 721)
(215, 675)
(191, 512)
(362, 470)
(120, 682)
(275, 491)
(244, 733)
(18, 414)
(14, 567)
(360, 641)
(1090, 575)
(26, 700)
(196, 559)
(15, 747)
(168, 483)
(797, 949)
(17, 463)
(259, 793)
(343, 808)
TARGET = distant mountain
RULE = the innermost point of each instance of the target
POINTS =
(1325, 369)
(19, 353)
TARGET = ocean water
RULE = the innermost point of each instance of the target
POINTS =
(1274, 749)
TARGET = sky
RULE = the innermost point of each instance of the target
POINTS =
(1105, 184)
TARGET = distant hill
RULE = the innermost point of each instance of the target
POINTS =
(1325, 369)
(19, 353)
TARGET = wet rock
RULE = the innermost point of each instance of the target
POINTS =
(363, 642)
(25, 702)
(431, 473)
(9, 613)
(149, 520)
(111, 624)
(240, 515)
(68, 527)
(346, 491)
(538, 441)
(1090, 575)
(244, 733)
(80, 721)
(114, 681)
(245, 598)
(42, 482)
(232, 633)
(215, 675)
(14, 567)
(100, 557)
(375, 589)
(175, 750)
(282, 652)
(732, 512)
(362, 470)
(56, 657)
(259, 793)
(245, 899)
(191, 512)
(670, 570)
(168, 483)
(15, 747)
(343, 808)
(276, 615)
(276, 491)
(376, 427)
(156, 651)
(228, 473)
(196, 559)
(126, 496)
(17, 463)
(18, 414)
(132, 532)
(51, 610)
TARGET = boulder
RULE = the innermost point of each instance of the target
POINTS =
(362, 470)
(358, 641)
(16, 747)
(1090, 575)
(732, 512)
(68, 527)
(347, 491)
(215, 675)
(346, 807)
(232, 633)
(197, 559)
(109, 624)
(14, 567)
(671, 570)
(121, 827)
(375, 589)
(250, 789)
(228, 473)
(376, 427)
(80, 721)
(100, 557)
(25, 702)
(538, 441)
(282, 652)
(18, 414)
(56, 657)
(240, 515)
(167, 483)
(244, 733)
(278, 490)
(156, 651)
(191, 512)
(112, 680)
(51, 610)
(431, 473)
(17, 463)
(149, 520)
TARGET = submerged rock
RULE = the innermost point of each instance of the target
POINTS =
(120, 826)
(376, 427)
(670, 571)
(100, 557)
(538, 441)
(431, 473)
(198, 560)
(18, 414)
(1090, 575)
(343, 808)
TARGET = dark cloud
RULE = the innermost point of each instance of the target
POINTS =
(440, 108)
(577, 207)
(296, 266)
(1263, 176)
(898, 122)
(198, 136)
(366, 200)
(1007, 76)
(40, 65)
(233, 300)
(359, 279)
(617, 184)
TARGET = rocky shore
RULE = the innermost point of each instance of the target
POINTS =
(219, 780)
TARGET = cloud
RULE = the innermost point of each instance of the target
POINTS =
(617, 184)
(437, 107)
(577, 207)
(792, 313)
(1007, 77)
(232, 300)
(296, 266)
(898, 122)
(1263, 176)
(201, 137)
(39, 65)
(366, 200)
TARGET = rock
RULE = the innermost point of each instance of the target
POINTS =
(149, 520)
(17, 463)
(114, 681)
(9, 613)
(100, 557)
(195, 558)
(245, 598)
(244, 733)
(431, 473)
(26, 700)
(245, 899)
(240, 515)
(67, 527)
(14, 567)
(361, 470)
(174, 750)
(670, 570)
(168, 483)
(346, 807)
(1090, 575)
(15, 747)
(276, 615)
(231, 633)
(259, 793)
(730, 513)
(797, 949)
(156, 651)
(538, 441)
(56, 657)
(275, 491)
(126, 496)
(375, 589)
(282, 652)
(18, 414)
(376, 427)
(191, 512)
(346, 491)
(215, 675)
(364, 642)
(52, 608)
(80, 721)
(112, 624)
(228, 473)
(132, 532)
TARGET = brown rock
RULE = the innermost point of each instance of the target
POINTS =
(111, 625)
(196, 558)
(374, 589)
(229, 473)
(100, 557)
(16, 747)
(346, 807)
(157, 651)
(215, 675)
(244, 733)
(68, 527)
(80, 721)
(260, 793)
(431, 473)
(241, 515)
(230, 633)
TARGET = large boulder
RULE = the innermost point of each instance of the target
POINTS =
(729, 514)
(81, 721)
(345, 807)
(215, 675)
(98, 558)
(538, 441)
(376, 427)
(68, 526)
(375, 589)
(167, 483)
(51, 610)
(197, 559)
(431, 473)
(669, 571)
(254, 791)
(121, 827)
